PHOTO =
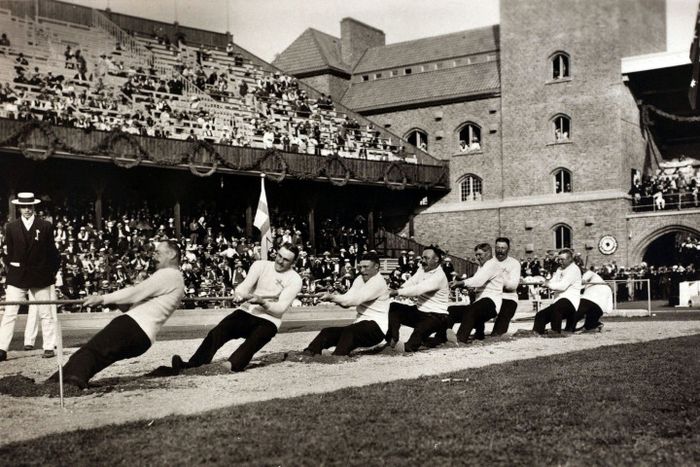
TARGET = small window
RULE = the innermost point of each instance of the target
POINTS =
(394, 72)
(423, 67)
(418, 138)
(365, 77)
(455, 63)
(407, 71)
(470, 188)
(562, 128)
(377, 75)
(562, 237)
(560, 65)
(562, 181)
(470, 138)
(438, 65)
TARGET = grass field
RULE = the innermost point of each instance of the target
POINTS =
(634, 404)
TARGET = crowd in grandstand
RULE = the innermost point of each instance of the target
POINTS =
(258, 109)
(676, 187)
(217, 254)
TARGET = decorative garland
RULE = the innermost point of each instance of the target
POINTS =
(108, 147)
(404, 180)
(210, 151)
(278, 172)
(676, 118)
(325, 170)
(278, 158)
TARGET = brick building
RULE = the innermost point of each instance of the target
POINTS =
(535, 115)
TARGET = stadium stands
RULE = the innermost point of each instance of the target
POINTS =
(100, 77)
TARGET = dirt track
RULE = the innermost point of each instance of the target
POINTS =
(123, 394)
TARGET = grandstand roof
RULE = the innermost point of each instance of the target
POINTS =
(456, 44)
(312, 51)
(422, 87)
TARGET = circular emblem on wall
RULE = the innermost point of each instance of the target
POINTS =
(607, 245)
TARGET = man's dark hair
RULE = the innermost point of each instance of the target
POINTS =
(505, 240)
(437, 250)
(483, 247)
(371, 256)
(567, 251)
(293, 248)
(174, 246)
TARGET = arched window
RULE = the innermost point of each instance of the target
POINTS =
(418, 138)
(470, 187)
(562, 236)
(562, 128)
(470, 137)
(560, 65)
(562, 181)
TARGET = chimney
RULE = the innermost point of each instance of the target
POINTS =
(356, 37)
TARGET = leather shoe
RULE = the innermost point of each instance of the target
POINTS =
(178, 364)
(48, 354)
(74, 381)
(28, 347)
(3, 355)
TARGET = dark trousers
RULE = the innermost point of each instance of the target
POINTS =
(472, 317)
(588, 310)
(345, 339)
(554, 314)
(122, 338)
(239, 324)
(423, 324)
(505, 314)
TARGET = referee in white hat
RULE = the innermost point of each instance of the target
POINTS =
(32, 264)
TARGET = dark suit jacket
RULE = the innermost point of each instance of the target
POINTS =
(32, 258)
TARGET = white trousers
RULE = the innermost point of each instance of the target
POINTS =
(31, 330)
(45, 312)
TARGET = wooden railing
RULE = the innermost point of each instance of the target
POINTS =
(391, 244)
(233, 159)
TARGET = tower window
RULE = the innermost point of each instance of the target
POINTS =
(562, 237)
(560, 66)
(562, 128)
(470, 188)
(562, 181)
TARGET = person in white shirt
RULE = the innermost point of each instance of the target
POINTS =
(566, 285)
(488, 283)
(597, 299)
(511, 281)
(429, 289)
(269, 288)
(370, 295)
(132, 333)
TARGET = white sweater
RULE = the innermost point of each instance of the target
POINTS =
(264, 281)
(596, 290)
(488, 281)
(154, 299)
(511, 278)
(430, 290)
(371, 300)
(566, 283)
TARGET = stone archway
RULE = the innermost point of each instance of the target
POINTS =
(639, 250)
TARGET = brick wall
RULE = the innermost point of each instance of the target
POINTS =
(530, 227)
(328, 84)
(590, 33)
(446, 120)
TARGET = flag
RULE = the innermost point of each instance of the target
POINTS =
(262, 220)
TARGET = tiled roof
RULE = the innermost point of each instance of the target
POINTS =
(424, 87)
(313, 50)
(434, 48)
